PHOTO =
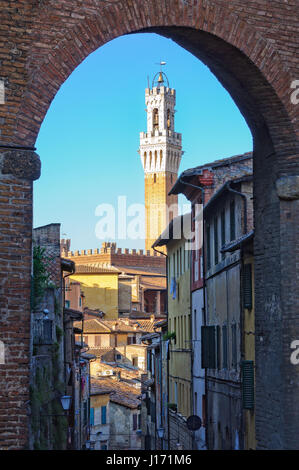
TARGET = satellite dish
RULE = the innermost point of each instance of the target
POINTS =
(193, 423)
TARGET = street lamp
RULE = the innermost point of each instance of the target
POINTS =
(66, 402)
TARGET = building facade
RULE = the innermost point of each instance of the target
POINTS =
(228, 218)
(198, 185)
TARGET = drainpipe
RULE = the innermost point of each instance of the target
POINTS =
(245, 205)
(204, 294)
(161, 388)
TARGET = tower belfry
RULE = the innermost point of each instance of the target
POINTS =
(160, 152)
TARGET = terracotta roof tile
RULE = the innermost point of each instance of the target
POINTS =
(120, 392)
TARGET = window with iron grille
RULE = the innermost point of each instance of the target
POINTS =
(247, 368)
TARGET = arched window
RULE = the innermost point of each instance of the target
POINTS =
(168, 119)
(155, 119)
(155, 178)
(161, 159)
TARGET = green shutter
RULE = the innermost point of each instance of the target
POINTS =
(247, 286)
(248, 384)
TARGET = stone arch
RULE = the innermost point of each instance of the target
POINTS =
(251, 60)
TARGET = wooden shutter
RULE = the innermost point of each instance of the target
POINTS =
(248, 384)
(212, 347)
(91, 416)
(247, 286)
(104, 414)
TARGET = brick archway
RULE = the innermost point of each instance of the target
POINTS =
(250, 50)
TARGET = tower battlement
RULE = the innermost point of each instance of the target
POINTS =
(109, 253)
(162, 90)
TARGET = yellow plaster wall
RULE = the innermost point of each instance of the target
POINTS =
(179, 314)
(101, 292)
(96, 401)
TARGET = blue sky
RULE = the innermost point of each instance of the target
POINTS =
(89, 139)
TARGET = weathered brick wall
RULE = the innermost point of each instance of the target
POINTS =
(252, 47)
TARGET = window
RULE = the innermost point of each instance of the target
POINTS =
(135, 361)
(208, 247)
(223, 230)
(232, 221)
(224, 347)
(135, 418)
(234, 346)
(103, 414)
(216, 240)
(168, 119)
(155, 119)
(97, 340)
(80, 301)
(208, 347)
(218, 333)
(155, 178)
(67, 303)
(131, 339)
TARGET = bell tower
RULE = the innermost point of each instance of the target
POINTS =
(160, 152)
